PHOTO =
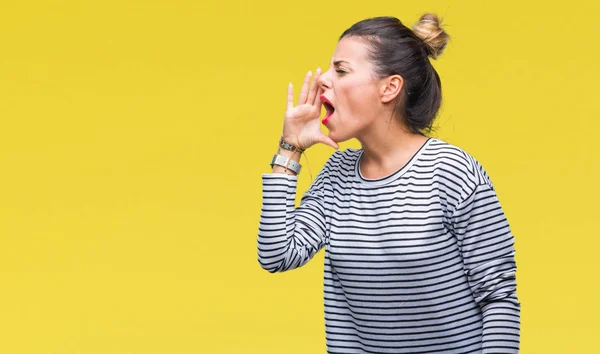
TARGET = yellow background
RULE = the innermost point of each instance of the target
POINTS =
(134, 134)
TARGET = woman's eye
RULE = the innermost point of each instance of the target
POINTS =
(340, 71)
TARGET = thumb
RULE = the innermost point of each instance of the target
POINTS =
(328, 141)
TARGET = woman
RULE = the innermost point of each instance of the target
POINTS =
(419, 257)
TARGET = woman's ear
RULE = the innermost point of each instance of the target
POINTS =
(391, 87)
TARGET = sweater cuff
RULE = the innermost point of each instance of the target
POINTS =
(279, 176)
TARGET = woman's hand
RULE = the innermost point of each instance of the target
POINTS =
(302, 125)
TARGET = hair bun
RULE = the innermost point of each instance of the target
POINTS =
(429, 30)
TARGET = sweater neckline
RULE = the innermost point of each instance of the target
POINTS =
(394, 175)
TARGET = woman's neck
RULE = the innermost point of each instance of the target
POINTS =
(385, 145)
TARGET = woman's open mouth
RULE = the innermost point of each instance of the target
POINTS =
(328, 107)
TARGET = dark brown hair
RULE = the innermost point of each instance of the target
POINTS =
(395, 49)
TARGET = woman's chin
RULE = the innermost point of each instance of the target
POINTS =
(331, 133)
(335, 136)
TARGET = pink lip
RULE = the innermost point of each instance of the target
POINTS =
(324, 99)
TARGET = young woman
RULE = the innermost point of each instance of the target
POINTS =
(419, 257)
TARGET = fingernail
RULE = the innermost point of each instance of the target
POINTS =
(318, 70)
(309, 72)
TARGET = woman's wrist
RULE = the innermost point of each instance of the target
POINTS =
(292, 156)
(285, 144)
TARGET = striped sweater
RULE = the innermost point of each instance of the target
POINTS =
(419, 261)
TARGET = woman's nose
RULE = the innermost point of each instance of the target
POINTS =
(323, 80)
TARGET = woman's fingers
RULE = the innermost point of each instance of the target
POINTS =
(309, 94)
(304, 90)
(290, 97)
(318, 102)
(313, 88)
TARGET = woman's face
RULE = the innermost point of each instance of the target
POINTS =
(350, 91)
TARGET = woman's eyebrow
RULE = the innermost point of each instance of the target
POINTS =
(338, 62)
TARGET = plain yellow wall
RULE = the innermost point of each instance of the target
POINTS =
(134, 134)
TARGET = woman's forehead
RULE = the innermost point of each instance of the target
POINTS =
(350, 50)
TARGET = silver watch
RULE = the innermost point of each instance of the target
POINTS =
(283, 161)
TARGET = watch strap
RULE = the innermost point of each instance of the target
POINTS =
(286, 162)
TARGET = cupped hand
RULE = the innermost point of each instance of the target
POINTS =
(301, 124)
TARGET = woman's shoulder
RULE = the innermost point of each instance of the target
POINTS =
(454, 161)
(342, 159)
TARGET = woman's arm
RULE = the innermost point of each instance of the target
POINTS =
(288, 237)
(487, 247)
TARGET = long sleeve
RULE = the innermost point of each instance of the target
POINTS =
(288, 237)
(487, 247)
